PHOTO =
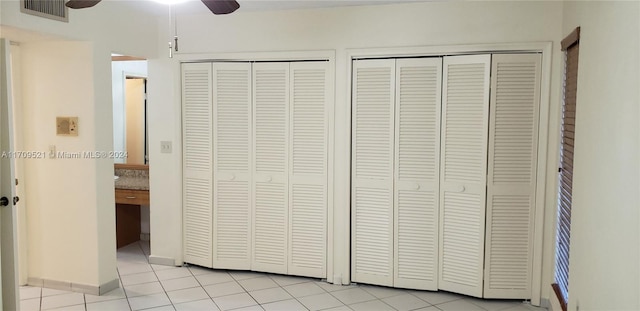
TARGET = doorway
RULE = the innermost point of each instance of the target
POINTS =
(130, 134)
(136, 136)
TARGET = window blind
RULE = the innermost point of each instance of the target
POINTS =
(570, 45)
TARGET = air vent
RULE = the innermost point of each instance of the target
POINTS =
(52, 9)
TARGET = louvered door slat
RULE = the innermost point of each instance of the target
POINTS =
(197, 182)
(513, 141)
(372, 171)
(270, 158)
(463, 173)
(308, 169)
(417, 150)
(232, 133)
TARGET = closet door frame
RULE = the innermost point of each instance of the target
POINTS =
(336, 271)
(545, 48)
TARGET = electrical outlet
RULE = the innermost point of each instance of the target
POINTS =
(165, 147)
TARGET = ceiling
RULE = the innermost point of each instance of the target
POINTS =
(195, 6)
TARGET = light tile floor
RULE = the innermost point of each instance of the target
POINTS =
(152, 287)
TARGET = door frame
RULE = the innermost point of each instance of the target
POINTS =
(545, 48)
(10, 251)
(126, 75)
(333, 221)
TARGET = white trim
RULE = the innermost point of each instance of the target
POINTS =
(328, 55)
(177, 119)
(109, 286)
(539, 47)
(446, 50)
(541, 175)
(331, 68)
(75, 287)
(163, 261)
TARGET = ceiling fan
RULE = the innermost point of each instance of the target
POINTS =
(215, 6)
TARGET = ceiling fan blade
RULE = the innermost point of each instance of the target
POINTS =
(81, 4)
(221, 6)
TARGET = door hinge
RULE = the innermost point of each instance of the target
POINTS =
(16, 181)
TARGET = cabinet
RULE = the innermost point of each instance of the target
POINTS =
(128, 215)
(443, 172)
(255, 163)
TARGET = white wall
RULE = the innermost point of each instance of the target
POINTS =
(119, 71)
(122, 26)
(71, 214)
(60, 216)
(604, 267)
(339, 29)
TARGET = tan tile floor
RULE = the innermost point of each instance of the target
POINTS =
(153, 287)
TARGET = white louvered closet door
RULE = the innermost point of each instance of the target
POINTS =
(417, 152)
(372, 171)
(309, 97)
(511, 184)
(270, 170)
(465, 123)
(197, 181)
(232, 165)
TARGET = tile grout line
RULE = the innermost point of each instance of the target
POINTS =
(247, 292)
(375, 298)
(158, 278)
(120, 276)
(133, 254)
(300, 302)
(211, 298)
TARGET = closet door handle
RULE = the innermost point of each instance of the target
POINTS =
(233, 177)
(416, 186)
(461, 188)
(269, 178)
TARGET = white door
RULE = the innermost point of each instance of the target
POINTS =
(308, 160)
(232, 165)
(270, 167)
(9, 298)
(463, 174)
(511, 183)
(372, 171)
(197, 180)
(417, 158)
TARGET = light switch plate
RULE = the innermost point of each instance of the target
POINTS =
(165, 147)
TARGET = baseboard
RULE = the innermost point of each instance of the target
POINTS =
(31, 281)
(74, 287)
(544, 303)
(163, 261)
(109, 286)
